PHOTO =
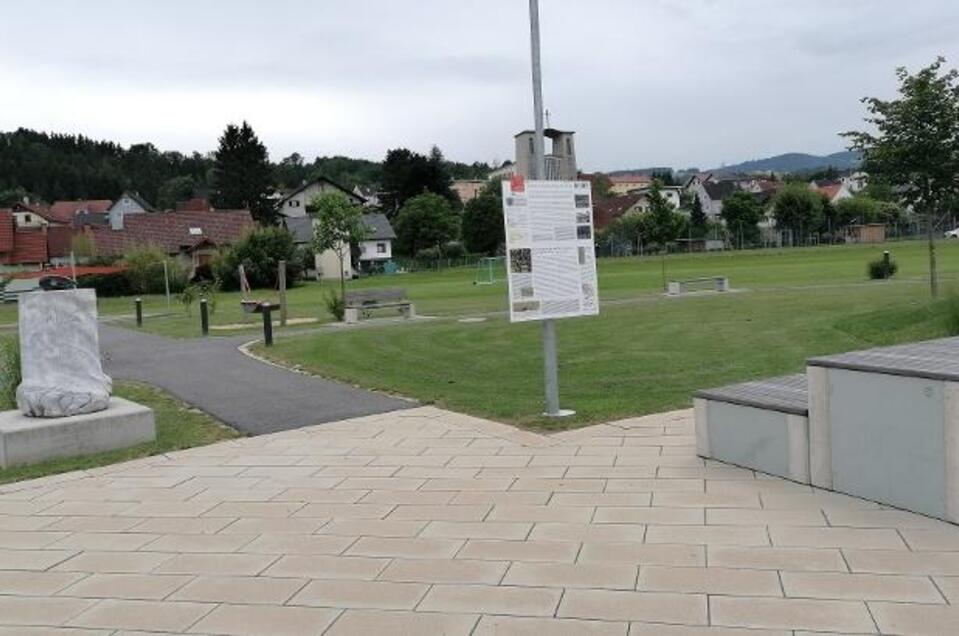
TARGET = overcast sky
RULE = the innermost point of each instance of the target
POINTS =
(643, 82)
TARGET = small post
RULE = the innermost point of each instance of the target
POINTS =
(204, 317)
(281, 276)
(267, 324)
(885, 264)
(138, 302)
(166, 283)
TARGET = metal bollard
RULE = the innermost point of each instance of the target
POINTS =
(204, 317)
(267, 324)
(138, 302)
(885, 261)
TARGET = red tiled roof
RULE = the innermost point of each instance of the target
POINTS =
(6, 231)
(171, 230)
(829, 191)
(64, 211)
(630, 178)
(29, 246)
(197, 204)
(59, 240)
(608, 210)
(81, 270)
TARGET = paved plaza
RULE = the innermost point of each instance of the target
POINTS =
(423, 521)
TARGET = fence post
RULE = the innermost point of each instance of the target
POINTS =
(267, 324)
(138, 303)
(204, 317)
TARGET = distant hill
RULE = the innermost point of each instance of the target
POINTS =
(633, 171)
(796, 162)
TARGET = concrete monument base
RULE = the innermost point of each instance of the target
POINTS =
(27, 440)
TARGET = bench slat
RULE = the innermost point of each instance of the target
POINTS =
(788, 394)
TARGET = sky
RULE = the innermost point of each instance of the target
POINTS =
(642, 82)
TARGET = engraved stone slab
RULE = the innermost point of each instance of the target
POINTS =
(60, 355)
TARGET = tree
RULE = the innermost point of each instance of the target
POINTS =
(916, 146)
(425, 221)
(482, 224)
(629, 229)
(798, 208)
(260, 253)
(242, 176)
(339, 226)
(858, 209)
(407, 174)
(697, 216)
(664, 224)
(175, 189)
(665, 177)
(601, 185)
(742, 214)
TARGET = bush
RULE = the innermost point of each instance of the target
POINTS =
(335, 305)
(9, 373)
(881, 269)
(429, 254)
(951, 311)
(454, 249)
(144, 270)
(195, 291)
(107, 285)
(259, 252)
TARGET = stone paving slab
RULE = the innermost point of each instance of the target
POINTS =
(424, 521)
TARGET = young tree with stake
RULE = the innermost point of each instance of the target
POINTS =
(339, 226)
(916, 145)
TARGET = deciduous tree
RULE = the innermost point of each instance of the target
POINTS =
(339, 226)
(482, 223)
(916, 145)
(425, 221)
(742, 214)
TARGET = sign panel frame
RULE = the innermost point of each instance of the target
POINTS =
(550, 254)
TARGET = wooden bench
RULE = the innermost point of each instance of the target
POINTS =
(713, 283)
(761, 425)
(363, 301)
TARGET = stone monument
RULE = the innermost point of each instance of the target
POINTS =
(60, 355)
(64, 403)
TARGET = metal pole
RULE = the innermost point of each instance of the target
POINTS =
(166, 283)
(281, 276)
(538, 171)
(204, 317)
(267, 325)
(138, 302)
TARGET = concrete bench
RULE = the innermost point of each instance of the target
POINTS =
(884, 425)
(362, 302)
(761, 425)
(708, 283)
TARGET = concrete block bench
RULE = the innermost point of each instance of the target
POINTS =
(760, 425)
(884, 425)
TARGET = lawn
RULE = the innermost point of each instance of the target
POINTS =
(644, 353)
(178, 426)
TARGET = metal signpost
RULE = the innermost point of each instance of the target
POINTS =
(550, 256)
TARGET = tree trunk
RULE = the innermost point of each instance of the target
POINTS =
(933, 274)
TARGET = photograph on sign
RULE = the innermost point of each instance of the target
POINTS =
(551, 263)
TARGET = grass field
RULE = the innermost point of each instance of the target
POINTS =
(177, 425)
(644, 353)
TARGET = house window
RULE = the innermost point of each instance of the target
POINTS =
(532, 149)
(381, 248)
(294, 203)
(27, 218)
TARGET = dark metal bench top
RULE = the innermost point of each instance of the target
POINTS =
(787, 394)
(932, 359)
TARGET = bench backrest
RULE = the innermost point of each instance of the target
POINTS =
(373, 296)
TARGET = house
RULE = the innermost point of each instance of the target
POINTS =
(608, 210)
(866, 233)
(370, 194)
(376, 249)
(27, 215)
(834, 191)
(505, 171)
(295, 203)
(670, 193)
(193, 237)
(21, 246)
(66, 212)
(196, 204)
(467, 189)
(711, 193)
(623, 183)
(128, 203)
